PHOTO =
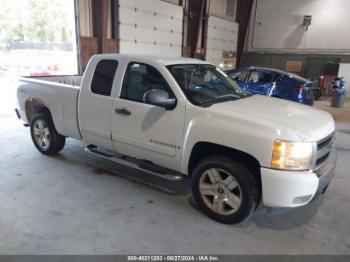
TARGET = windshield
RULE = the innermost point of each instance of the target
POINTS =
(205, 84)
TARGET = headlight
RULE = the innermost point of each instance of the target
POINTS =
(291, 155)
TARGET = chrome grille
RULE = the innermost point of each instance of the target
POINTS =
(322, 159)
(323, 143)
(324, 147)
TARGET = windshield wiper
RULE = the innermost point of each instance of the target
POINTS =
(227, 96)
(221, 98)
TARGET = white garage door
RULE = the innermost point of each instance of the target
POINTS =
(221, 37)
(150, 27)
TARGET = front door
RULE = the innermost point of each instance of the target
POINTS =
(142, 130)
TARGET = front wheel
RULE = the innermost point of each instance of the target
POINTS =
(44, 135)
(225, 190)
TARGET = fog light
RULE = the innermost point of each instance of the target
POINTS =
(301, 199)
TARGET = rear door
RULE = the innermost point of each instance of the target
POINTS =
(142, 130)
(96, 103)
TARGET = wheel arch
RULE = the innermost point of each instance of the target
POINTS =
(202, 150)
(34, 106)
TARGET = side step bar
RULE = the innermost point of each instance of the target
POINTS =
(123, 160)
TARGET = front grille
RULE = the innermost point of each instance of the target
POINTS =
(324, 147)
(324, 143)
(322, 159)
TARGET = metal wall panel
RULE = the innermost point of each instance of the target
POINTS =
(150, 27)
(221, 37)
(276, 26)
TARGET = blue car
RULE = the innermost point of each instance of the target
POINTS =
(275, 83)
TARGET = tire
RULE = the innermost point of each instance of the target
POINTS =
(224, 189)
(44, 134)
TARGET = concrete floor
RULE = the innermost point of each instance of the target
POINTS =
(75, 203)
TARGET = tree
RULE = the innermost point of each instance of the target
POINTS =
(35, 21)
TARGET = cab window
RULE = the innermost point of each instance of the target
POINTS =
(239, 76)
(261, 77)
(139, 78)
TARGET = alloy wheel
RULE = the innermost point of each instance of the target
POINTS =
(42, 134)
(220, 191)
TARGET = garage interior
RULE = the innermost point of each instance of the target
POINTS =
(76, 203)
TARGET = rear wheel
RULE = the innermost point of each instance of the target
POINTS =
(225, 190)
(44, 135)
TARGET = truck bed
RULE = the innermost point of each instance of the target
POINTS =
(58, 93)
(71, 80)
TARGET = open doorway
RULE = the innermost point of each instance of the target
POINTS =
(37, 37)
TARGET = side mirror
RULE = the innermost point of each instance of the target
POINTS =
(158, 97)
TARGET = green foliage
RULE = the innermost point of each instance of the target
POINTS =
(35, 21)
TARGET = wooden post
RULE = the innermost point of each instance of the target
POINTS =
(100, 9)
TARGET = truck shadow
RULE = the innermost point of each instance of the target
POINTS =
(276, 219)
(282, 219)
(102, 167)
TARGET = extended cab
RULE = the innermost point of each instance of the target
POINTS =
(178, 117)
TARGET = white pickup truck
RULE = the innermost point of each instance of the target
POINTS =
(178, 117)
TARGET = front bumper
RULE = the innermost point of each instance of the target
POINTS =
(295, 188)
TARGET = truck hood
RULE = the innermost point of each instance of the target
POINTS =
(286, 118)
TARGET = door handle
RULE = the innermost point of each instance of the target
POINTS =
(123, 111)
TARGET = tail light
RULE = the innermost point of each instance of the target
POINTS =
(322, 80)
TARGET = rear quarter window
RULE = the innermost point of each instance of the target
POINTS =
(102, 80)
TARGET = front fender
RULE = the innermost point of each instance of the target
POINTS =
(240, 135)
